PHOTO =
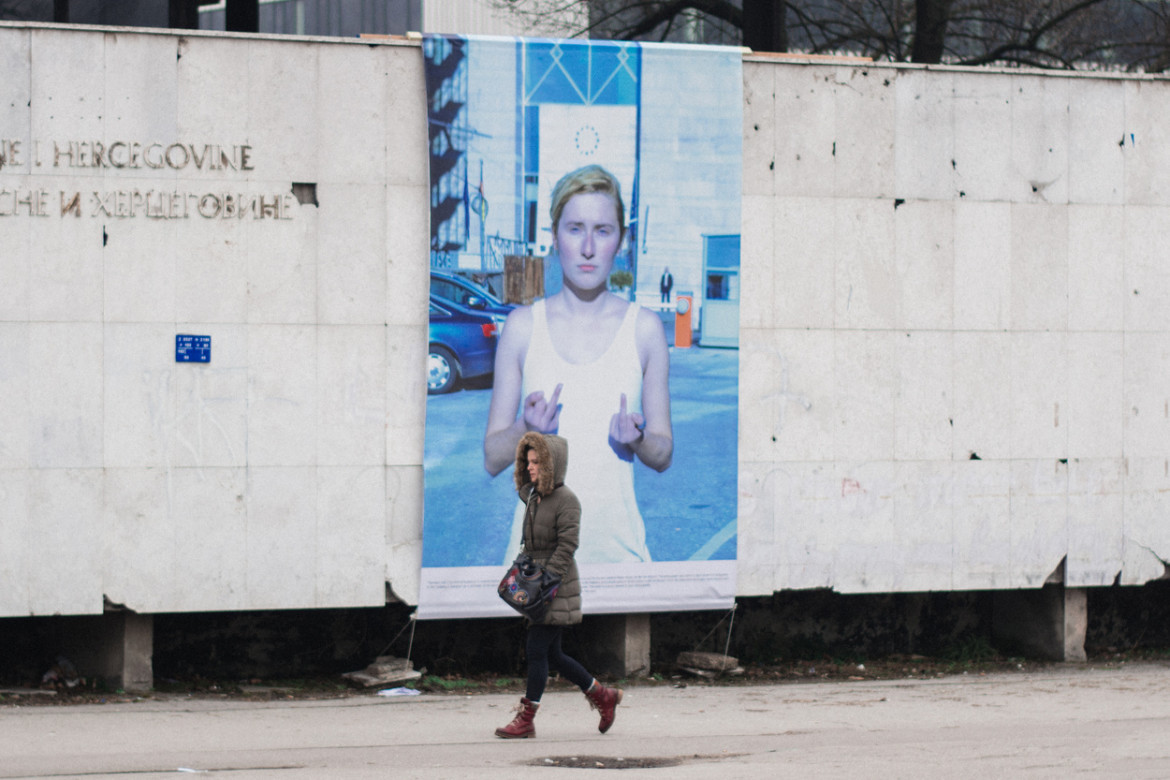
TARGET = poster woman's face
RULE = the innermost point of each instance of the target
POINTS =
(587, 238)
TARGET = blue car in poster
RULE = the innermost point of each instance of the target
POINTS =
(462, 344)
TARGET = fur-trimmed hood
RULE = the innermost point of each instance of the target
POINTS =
(552, 453)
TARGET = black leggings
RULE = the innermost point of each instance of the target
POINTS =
(544, 648)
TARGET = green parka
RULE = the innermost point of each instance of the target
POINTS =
(552, 521)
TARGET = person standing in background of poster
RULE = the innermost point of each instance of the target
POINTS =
(552, 519)
(665, 285)
(590, 366)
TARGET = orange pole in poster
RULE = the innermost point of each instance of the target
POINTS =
(682, 320)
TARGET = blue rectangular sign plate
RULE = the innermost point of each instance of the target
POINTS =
(192, 349)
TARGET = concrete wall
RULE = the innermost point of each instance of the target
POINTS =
(955, 329)
(955, 325)
(287, 471)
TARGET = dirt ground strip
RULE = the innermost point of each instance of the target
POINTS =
(896, 667)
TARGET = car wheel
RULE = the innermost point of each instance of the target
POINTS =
(442, 371)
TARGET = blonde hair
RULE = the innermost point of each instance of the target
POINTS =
(591, 178)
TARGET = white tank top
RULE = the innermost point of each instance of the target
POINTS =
(611, 525)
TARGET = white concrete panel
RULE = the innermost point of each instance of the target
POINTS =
(136, 66)
(865, 379)
(756, 562)
(1040, 107)
(983, 396)
(923, 409)
(211, 402)
(211, 271)
(1147, 144)
(209, 510)
(351, 395)
(62, 537)
(1147, 394)
(924, 257)
(138, 550)
(924, 128)
(1096, 268)
(283, 530)
(1147, 275)
(1039, 520)
(16, 157)
(869, 545)
(14, 526)
(804, 258)
(406, 127)
(65, 395)
(15, 427)
(806, 499)
(759, 368)
(351, 536)
(406, 252)
(284, 123)
(804, 395)
(1039, 400)
(865, 132)
(212, 94)
(406, 394)
(351, 252)
(924, 512)
(805, 131)
(983, 266)
(16, 97)
(759, 129)
(982, 524)
(983, 127)
(1096, 506)
(15, 262)
(404, 512)
(1096, 395)
(283, 270)
(1096, 154)
(1146, 543)
(139, 394)
(65, 282)
(282, 395)
(138, 267)
(866, 291)
(350, 119)
(68, 71)
(1039, 267)
(757, 272)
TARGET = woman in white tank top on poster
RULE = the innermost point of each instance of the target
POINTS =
(591, 367)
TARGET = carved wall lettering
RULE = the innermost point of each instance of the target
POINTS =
(219, 204)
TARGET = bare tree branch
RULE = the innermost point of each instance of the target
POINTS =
(1065, 34)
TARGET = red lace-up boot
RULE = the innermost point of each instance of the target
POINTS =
(604, 700)
(521, 726)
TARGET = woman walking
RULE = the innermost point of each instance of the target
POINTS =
(552, 522)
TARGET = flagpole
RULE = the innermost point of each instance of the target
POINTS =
(482, 230)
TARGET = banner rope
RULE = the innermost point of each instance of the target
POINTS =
(411, 621)
(727, 645)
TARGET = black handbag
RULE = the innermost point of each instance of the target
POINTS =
(528, 587)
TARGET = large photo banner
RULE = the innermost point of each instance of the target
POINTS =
(585, 218)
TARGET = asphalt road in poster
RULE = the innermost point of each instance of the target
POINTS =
(689, 509)
(1063, 722)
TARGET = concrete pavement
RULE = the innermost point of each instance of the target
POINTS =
(1058, 723)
